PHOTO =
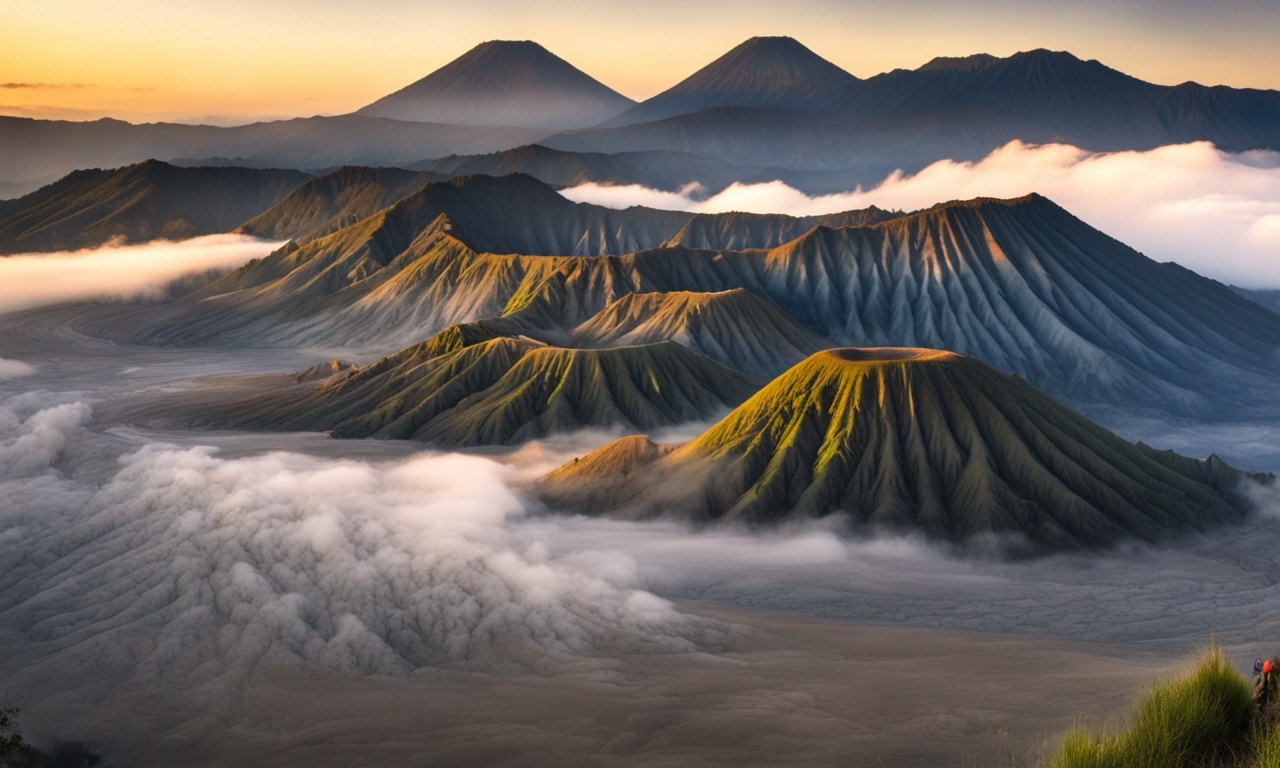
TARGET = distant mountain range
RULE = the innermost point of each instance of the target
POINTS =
(770, 108)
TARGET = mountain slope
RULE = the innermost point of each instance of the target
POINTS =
(761, 72)
(473, 385)
(141, 202)
(335, 200)
(558, 390)
(1020, 284)
(734, 327)
(504, 83)
(913, 440)
(514, 214)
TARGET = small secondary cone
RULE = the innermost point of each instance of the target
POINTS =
(910, 439)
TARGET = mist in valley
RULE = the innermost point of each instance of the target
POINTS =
(206, 581)
(145, 271)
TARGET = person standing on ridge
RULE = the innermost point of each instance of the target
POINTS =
(1264, 688)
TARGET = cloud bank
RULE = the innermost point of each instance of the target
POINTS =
(178, 561)
(14, 369)
(1214, 212)
(33, 280)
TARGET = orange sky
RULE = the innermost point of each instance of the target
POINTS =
(235, 59)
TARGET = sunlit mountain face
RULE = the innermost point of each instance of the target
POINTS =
(785, 408)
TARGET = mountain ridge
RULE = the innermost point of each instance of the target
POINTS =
(475, 384)
(1021, 284)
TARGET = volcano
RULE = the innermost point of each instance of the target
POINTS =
(504, 83)
(917, 440)
(761, 72)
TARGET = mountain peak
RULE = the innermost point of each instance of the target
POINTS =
(504, 83)
(775, 72)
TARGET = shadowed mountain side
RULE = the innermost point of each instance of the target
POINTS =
(1021, 284)
(472, 385)
(761, 72)
(335, 200)
(140, 202)
(734, 327)
(1081, 98)
(33, 149)
(911, 440)
(504, 82)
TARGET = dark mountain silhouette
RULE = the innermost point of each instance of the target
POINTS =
(1020, 284)
(36, 149)
(504, 83)
(911, 440)
(138, 203)
(769, 109)
(951, 108)
(761, 72)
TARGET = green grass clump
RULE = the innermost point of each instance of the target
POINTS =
(1268, 755)
(1198, 721)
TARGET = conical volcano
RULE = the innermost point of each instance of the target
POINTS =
(913, 440)
(761, 72)
(504, 83)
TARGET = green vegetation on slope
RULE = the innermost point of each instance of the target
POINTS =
(559, 390)
(913, 439)
(475, 384)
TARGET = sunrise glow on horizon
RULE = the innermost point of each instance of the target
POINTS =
(150, 60)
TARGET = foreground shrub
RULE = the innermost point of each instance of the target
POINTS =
(1198, 721)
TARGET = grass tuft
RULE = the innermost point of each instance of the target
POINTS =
(1201, 720)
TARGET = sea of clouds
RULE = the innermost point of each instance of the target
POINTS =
(158, 560)
(1215, 212)
(115, 272)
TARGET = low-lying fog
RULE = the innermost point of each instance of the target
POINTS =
(1214, 212)
(166, 593)
(144, 270)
